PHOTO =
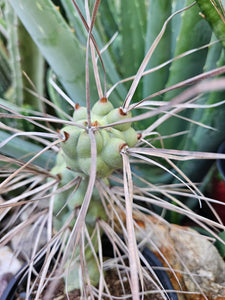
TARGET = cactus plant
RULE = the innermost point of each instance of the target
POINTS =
(99, 144)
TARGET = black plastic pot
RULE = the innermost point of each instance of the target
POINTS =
(221, 162)
(20, 277)
(153, 261)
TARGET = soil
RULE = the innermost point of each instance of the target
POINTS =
(114, 286)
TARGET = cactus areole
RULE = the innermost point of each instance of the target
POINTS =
(76, 144)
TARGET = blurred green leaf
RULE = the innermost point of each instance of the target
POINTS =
(57, 43)
(20, 149)
(158, 12)
(194, 33)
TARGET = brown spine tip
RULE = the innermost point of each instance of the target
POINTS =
(103, 100)
(77, 106)
(66, 135)
(122, 146)
(59, 176)
(139, 136)
(94, 124)
(121, 112)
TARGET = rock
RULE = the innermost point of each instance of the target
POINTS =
(9, 265)
(195, 267)
(8, 262)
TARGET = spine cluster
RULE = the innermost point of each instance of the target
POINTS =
(76, 146)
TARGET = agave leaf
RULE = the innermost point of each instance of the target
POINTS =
(19, 149)
(203, 139)
(56, 98)
(74, 21)
(194, 33)
(107, 21)
(15, 61)
(101, 40)
(57, 43)
(176, 23)
(32, 63)
(132, 28)
(158, 12)
(5, 72)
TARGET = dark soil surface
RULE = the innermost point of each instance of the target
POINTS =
(115, 287)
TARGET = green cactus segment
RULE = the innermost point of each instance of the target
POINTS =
(76, 145)
(69, 201)
(215, 17)
(72, 198)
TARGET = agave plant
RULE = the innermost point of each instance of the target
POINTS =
(119, 132)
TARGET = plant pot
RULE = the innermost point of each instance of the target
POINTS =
(21, 276)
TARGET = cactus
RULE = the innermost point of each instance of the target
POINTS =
(95, 153)
(76, 144)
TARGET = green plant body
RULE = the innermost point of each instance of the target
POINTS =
(110, 141)
(74, 161)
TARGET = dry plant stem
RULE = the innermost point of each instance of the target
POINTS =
(132, 246)
(55, 107)
(212, 85)
(93, 40)
(97, 2)
(30, 161)
(61, 93)
(147, 58)
(186, 82)
(160, 66)
(94, 61)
